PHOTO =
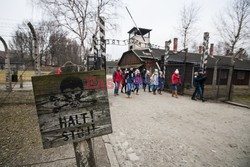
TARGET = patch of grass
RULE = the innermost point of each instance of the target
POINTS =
(26, 75)
(242, 99)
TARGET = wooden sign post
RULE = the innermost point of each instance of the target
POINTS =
(72, 107)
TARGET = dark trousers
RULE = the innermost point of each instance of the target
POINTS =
(124, 86)
(137, 87)
(198, 90)
(145, 86)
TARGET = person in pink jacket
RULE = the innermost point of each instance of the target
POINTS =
(176, 80)
(138, 81)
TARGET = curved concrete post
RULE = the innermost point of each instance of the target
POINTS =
(35, 48)
(7, 66)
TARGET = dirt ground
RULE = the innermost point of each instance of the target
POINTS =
(159, 131)
(20, 142)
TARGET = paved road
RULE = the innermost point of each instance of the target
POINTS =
(162, 131)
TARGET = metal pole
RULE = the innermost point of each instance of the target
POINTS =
(135, 23)
(7, 66)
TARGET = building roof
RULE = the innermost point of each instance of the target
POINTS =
(143, 31)
(192, 58)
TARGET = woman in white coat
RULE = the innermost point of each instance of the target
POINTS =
(155, 81)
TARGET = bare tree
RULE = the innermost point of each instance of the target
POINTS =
(220, 48)
(46, 29)
(234, 29)
(234, 25)
(62, 49)
(21, 43)
(188, 19)
(80, 16)
(55, 46)
(72, 15)
(194, 47)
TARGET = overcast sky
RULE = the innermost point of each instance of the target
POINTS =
(162, 16)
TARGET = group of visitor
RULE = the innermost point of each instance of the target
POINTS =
(132, 80)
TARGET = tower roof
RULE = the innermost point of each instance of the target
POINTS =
(143, 31)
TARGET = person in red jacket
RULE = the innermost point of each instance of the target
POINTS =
(117, 78)
(176, 80)
(59, 71)
(123, 80)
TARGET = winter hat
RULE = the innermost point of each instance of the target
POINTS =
(137, 71)
(200, 70)
(156, 71)
(176, 71)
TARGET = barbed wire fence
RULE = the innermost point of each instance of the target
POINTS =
(21, 96)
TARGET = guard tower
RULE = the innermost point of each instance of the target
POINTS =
(135, 38)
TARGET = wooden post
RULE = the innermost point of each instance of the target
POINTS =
(184, 71)
(166, 56)
(218, 86)
(7, 66)
(249, 82)
(84, 151)
(230, 79)
(215, 75)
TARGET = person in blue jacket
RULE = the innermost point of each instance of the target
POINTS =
(161, 82)
(199, 80)
(129, 81)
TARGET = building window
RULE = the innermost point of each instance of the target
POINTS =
(223, 75)
(240, 75)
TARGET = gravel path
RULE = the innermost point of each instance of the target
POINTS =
(162, 131)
